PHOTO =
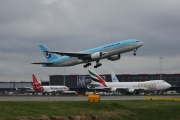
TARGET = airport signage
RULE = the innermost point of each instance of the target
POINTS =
(85, 80)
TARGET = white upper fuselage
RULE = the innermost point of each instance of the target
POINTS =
(107, 50)
(151, 85)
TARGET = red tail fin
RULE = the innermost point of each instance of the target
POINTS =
(35, 81)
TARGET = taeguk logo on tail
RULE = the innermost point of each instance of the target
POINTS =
(48, 55)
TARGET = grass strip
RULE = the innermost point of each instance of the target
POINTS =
(104, 110)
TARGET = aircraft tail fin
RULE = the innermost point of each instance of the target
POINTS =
(35, 82)
(46, 52)
(113, 77)
(16, 88)
(95, 77)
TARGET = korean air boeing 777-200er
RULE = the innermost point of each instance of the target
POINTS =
(111, 52)
(131, 87)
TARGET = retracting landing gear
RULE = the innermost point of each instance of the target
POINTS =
(86, 65)
(97, 64)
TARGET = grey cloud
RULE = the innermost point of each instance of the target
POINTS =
(70, 25)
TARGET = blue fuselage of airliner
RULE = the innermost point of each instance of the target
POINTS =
(111, 52)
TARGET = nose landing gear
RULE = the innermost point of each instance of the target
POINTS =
(135, 52)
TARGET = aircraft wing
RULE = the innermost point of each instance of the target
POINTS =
(125, 88)
(47, 63)
(71, 54)
(143, 89)
(121, 88)
(92, 87)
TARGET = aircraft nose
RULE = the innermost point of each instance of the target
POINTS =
(140, 43)
(168, 85)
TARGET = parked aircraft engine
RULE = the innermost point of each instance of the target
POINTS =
(131, 90)
(114, 57)
(113, 89)
(96, 55)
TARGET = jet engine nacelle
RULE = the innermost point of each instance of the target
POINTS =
(114, 57)
(113, 89)
(96, 56)
(131, 90)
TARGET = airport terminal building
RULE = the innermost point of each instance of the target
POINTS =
(79, 82)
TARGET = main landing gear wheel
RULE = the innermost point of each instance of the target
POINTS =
(97, 64)
(86, 65)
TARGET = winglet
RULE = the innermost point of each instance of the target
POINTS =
(95, 77)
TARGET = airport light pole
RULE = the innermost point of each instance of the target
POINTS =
(160, 58)
(64, 76)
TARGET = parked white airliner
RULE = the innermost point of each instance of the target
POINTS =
(47, 89)
(131, 87)
(111, 52)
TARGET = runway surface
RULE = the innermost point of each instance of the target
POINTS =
(73, 98)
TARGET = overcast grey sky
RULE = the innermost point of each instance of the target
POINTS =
(77, 25)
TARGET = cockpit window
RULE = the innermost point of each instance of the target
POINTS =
(137, 41)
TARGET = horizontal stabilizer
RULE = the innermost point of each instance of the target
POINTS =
(30, 90)
(95, 84)
(28, 87)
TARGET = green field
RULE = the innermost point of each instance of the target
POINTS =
(83, 110)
